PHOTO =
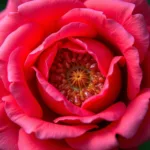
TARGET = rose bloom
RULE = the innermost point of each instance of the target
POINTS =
(74, 74)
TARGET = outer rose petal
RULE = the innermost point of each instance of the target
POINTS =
(24, 97)
(44, 11)
(142, 7)
(121, 12)
(25, 34)
(10, 23)
(12, 6)
(30, 142)
(142, 135)
(134, 116)
(127, 127)
(8, 131)
(136, 26)
(42, 129)
(103, 139)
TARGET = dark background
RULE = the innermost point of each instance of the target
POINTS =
(145, 146)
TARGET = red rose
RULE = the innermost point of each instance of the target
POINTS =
(74, 74)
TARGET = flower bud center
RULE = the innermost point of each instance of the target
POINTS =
(76, 76)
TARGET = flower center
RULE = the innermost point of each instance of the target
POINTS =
(76, 76)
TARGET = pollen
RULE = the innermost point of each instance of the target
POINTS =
(76, 76)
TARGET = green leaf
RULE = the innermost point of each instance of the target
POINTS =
(145, 146)
(3, 4)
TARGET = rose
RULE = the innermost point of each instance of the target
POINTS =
(109, 81)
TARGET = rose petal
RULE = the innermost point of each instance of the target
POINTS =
(10, 23)
(11, 6)
(25, 34)
(99, 52)
(134, 116)
(18, 86)
(134, 72)
(75, 45)
(88, 16)
(25, 99)
(110, 90)
(46, 59)
(31, 142)
(42, 129)
(142, 135)
(56, 101)
(103, 139)
(8, 131)
(112, 113)
(70, 30)
(136, 26)
(122, 10)
(141, 7)
(44, 12)
(107, 28)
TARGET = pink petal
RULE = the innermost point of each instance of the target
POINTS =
(46, 59)
(70, 30)
(90, 17)
(18, 86)
(112, 113)
(25, 99)
(56, 101)
(42, 129)
(142, 135)
(134, 72)
(121, 12)
(75, 45)
(10, 23)
(100, 52)
(25, 34)
(134, 116)
(28, 35)
(44, 12)
(110, 90)
(8, 131)
(106, 28)
(29, 141)
(103, 139)
(136, 26)
(12, 6)
(141, 7)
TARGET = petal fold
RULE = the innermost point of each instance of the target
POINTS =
(134, 116)
(31, 142)
(42, 129)
(112, 113)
